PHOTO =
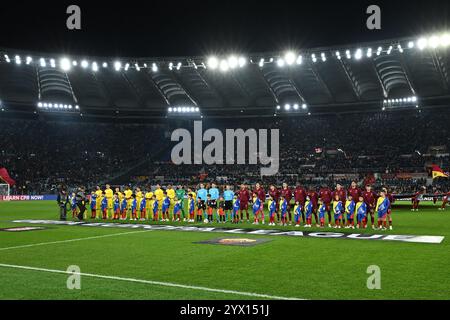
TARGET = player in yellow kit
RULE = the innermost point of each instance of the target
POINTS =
(99, 194)
(159, 194)
(171, 194)
(149, 203)
(139, 197)
(109, 200)
(119, 194)
(128, 193)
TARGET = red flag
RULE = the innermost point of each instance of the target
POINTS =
(4, 176)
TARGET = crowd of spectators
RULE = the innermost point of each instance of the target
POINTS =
(41, 154)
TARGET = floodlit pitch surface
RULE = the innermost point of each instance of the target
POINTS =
(122, 263)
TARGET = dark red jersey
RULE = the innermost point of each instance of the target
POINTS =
(314, 197)
(355, 193)
(341, 193)
(275, 194)
(326, 195)
(260, 193)
(300, 194)
(244, 196)
(287, 194)
(369, 198)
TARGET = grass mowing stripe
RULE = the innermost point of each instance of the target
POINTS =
(71, 240)
(158, 283)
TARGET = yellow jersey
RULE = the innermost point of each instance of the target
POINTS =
(128, 194)
(159, 195)
(108, 194)
(149, 195)
(171, 194)
(120, 196)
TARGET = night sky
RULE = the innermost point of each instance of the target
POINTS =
(183, 28)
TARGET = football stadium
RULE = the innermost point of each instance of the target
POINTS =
(310, 173)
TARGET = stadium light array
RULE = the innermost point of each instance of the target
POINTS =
(400, 102)
(289, 58)
(185, 109)
(292, 107)
(52, 106)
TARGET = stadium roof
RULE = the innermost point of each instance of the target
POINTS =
(363, 77)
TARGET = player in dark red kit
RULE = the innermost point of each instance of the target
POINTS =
(314, 198)
(354, 191)
(261, 194)
(340, 191)
(326, 196)
(435, 195)
(286, 192)
(275, 194)
(300, 197)
(244, 198)
(370, 198)
(445, 200)
(417, 198)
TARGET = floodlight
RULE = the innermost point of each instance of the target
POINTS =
(296, 106)
(304, 106)
(289, 57)
(313, 57)
(117, 65)
(287, 107)
(433, 42)
(422, 43)
(84, 64)
(233, 62)
(154, 67)
(65, 64)
(411, 44)
(94, 66)
(280, 62)
(299, 59)
(213, 63)
(224, 65)
(261, 62)
(242, 61)
(445, 40)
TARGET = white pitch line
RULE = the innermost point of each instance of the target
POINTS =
(158, 283)
(71, 240)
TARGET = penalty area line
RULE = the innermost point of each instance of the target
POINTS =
(71, 240)
(150, 282)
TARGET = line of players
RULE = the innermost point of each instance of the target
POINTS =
(341, 208)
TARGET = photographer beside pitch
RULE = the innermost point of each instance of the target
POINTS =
(62, 200)
(81, 202)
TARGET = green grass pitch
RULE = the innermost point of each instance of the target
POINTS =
(296, 267)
